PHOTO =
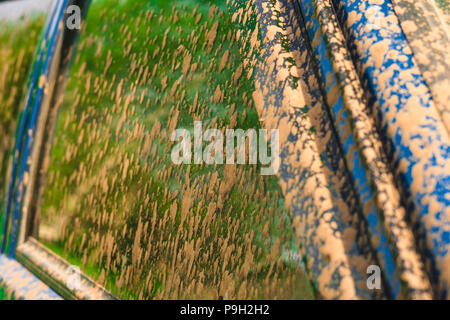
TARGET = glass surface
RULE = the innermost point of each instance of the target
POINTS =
(116, 205)
(18, 41)
(444, 5)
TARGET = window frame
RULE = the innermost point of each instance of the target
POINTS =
(49, 267)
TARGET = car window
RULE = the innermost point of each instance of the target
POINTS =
(117, 205)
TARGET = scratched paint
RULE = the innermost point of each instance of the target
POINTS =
(313, 176)
(428, 34)
(414, 134)
(343, 121)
